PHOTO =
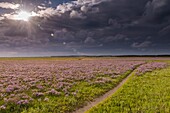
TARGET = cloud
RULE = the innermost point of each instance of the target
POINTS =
(89, 40)
(92, 25)
(7, 5)
(114, 23)
(84, 9)
(46, 12)
(41, 7)
(76, 14)
(75, 8)
(165, 31)
(156, 11)
(62, 8)
(1, 18)
(141, 45)
(117, 37)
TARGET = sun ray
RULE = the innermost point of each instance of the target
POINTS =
(22, 15)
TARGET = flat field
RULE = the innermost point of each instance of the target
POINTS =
(145, 93)
(59, 85)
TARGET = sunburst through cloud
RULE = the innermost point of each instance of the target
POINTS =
(88, 27)
(22, 15)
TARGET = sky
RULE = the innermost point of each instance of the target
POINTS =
(84, 27)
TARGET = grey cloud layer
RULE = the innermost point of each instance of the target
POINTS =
(91, 25)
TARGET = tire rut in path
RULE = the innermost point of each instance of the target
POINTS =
(105, 96)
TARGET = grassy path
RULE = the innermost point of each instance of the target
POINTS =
(149, 93)
(105, 96)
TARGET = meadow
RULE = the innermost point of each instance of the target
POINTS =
(143, 93)
(60, 85)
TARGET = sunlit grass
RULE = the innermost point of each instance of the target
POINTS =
(149, 93)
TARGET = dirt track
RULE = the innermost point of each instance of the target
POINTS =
(103, 97)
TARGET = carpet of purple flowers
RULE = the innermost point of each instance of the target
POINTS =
(149, 67)
(23, 82)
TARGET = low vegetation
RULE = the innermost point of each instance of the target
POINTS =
(58, 86)
(147, 93)
(42, 86)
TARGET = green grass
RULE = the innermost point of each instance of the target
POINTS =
(149, 93)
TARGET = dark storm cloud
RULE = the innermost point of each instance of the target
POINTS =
(157, 11)
(21, 34)
(93, 26)
(141, 45)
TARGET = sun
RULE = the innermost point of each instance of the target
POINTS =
(22, 15)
